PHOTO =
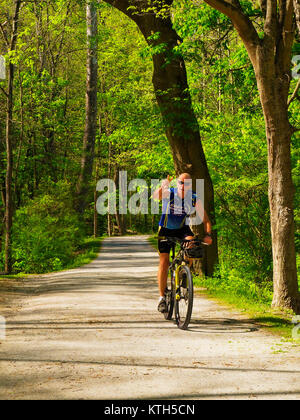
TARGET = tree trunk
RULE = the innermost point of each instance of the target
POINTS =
(9, 147)
(108, 224)
(281, 194)
(273, 80)
(17, 189)
(109, 171)
(119, 218)
(91, 109)
(174, 100)
(95, 215)
(9, 169)
(97, 174)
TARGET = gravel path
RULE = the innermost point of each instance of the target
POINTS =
(95, 333)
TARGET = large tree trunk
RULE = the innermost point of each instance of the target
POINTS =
(119, 218)
(91, 108)
(281, 193)
(9, 146)
(281, 189)
(173, 97)
(9, 171)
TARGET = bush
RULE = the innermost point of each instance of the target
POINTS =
(236, 275)
(46, 232)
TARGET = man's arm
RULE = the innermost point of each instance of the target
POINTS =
(163, 191)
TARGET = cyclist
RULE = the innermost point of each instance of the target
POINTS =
(176, 202)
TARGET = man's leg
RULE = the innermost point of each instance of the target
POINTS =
(162, 275)
(164, 249)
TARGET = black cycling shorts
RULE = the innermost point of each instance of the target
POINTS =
(164, 247)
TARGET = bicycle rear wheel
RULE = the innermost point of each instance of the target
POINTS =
(170, 295)
(184, 298)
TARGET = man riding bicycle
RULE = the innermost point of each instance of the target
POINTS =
(178, 204)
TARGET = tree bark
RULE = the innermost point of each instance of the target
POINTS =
(109, 172)
(119, 218)
(97, 174)
(297, 13)
(87, 160)
(173, 97)
(274, 94)
(95, 215)
(281, 195)
(9, 145)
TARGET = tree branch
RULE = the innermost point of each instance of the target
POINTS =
(286, 36)
(241, 22)
(14, 35)
(294, 95)
(4, 35)
(4, 91)
(270, 28)
(123, 6)
(263, 6)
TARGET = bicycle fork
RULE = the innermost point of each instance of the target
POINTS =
(177, 283)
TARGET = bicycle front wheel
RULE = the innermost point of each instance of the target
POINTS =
(170, 295)
(184, 298)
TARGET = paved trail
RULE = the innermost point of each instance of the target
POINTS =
(95, 333)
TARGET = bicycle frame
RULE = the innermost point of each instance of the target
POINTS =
(177, 262)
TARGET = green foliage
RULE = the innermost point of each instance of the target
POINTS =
(49, 115)
(160, 8)
(236, 280)
(241, 186)
(46, 232)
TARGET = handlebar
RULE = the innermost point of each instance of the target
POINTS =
(174, 240)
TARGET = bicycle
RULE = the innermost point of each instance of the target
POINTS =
(180, 287)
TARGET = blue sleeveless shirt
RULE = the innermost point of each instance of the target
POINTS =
(175, 210)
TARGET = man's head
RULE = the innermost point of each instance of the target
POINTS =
(184, 184)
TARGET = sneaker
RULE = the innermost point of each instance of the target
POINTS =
(162, 306)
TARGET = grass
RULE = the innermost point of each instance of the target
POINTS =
(87, 253)
(84, 255)
(278, 322)
(153, 241)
